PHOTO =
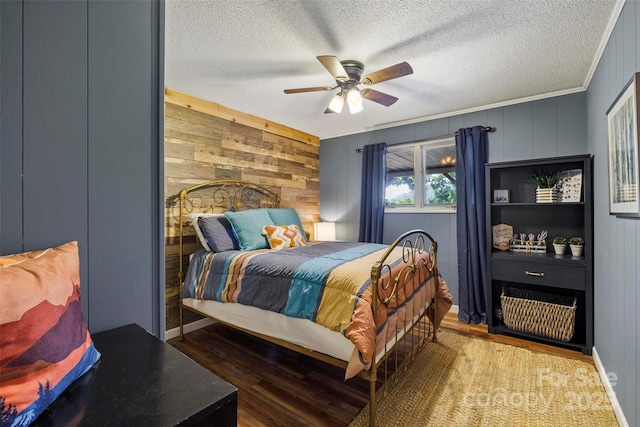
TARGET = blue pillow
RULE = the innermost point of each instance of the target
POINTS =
(247, 227)
(218, 233)
(285, 216)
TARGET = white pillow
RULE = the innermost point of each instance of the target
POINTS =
(194, 220)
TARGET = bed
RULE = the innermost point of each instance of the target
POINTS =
(257, 271)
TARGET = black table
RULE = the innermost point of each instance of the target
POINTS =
(142, 381)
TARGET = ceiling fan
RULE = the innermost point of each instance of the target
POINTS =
(348, 75)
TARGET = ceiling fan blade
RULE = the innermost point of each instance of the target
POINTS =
(395, 71)
(328, 111)
(309, 89)
(379, 97)
(333, 65)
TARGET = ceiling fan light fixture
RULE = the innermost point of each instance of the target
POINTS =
(355, 108)
(354, 99)
(348, 75)
(336, 104)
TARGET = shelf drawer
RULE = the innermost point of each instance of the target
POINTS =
(544, 274)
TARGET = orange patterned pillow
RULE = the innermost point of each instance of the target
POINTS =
(284, 236)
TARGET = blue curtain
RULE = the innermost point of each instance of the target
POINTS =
(374, 182)
(471, 156)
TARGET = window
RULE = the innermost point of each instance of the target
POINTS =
(434, 163)
(400, 177)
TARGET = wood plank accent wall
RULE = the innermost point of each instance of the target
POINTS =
(206, 141)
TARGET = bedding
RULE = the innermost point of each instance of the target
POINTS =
(328, 283)
(293, 330)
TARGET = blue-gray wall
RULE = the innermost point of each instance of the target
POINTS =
(617, 249)
(546, 128)
(81, 147)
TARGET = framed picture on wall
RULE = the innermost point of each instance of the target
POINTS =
(622, 136)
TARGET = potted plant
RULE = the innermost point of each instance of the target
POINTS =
(545, 181)
(577, 245)
(559, 244)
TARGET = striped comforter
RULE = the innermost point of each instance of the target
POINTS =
(325, 282)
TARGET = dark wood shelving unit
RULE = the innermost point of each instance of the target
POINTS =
(564, 275)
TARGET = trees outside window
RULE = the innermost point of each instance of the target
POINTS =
(434, 162)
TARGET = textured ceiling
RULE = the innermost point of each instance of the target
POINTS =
(466, 55)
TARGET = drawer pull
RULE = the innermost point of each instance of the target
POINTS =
(533, 273)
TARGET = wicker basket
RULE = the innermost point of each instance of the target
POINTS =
(539, 313)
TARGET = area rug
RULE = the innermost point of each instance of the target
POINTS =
(463, 381)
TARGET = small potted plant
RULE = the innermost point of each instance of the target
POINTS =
(545, 181)
(577, 245)
(559, 244)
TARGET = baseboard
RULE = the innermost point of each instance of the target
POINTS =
(454, 309)
(617, 409)
(189, 327)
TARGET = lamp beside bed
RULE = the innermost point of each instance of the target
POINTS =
(324, 231)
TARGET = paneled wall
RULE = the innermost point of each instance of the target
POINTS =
(205, 141)
(617, 248)
(80, 146)
(545, 128)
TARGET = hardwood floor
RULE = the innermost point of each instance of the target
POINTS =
(278, 387)
(450, 323)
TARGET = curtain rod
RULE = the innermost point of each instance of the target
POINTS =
(484, 129)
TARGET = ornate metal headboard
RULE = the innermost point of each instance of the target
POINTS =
(220, 196)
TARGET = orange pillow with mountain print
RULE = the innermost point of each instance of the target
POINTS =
(44, 341)
(284, 236)
(16, 258)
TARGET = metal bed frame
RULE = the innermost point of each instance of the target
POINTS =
(230, 195)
